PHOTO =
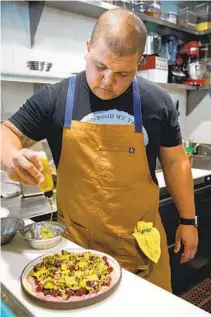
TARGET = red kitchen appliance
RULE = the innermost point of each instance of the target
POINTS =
(154, 68)
(189, 63)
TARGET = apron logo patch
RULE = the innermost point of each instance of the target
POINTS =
(131, 150)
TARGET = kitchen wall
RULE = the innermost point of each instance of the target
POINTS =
(180, 95)
(13, 95)
(60, 39)
(198, 122)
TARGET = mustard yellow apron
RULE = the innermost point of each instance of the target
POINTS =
(104, 188)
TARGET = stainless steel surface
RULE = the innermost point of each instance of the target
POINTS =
(32, 234)
(8, 187)
(13, 303)
(29, 207)
(153, 44)
(202, 149)
(9, 228)
(28, 191)
(197, 70)
(202, 162)
(39, 66)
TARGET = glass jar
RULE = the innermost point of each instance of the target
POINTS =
(153, 10)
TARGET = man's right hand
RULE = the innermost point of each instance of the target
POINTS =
(25, 167)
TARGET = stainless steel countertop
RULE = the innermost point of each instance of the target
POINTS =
(27, 207)
(33, 206)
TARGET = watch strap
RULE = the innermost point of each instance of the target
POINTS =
(189, 222)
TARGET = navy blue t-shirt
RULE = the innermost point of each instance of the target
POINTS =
(42, 116)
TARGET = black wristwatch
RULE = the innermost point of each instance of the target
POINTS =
(189, 222)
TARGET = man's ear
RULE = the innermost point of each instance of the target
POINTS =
(88, 45)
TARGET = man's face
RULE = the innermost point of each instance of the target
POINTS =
(108, 74)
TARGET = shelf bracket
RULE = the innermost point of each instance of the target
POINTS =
(35, 12)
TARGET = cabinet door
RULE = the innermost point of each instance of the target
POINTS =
(185, 275)
(203, 206)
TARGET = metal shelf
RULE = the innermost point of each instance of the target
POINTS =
(205, 32)
(207, 87)
(95, 8)
(161, 22)
(183, 86)
(34, 79)
(28, 78)
(91, 9)
(179, 86)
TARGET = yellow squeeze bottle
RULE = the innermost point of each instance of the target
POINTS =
(47, 185)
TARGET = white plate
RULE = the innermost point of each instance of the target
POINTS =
(4, 212)
(75, 303)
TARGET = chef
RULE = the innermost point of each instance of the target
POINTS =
(106, 127)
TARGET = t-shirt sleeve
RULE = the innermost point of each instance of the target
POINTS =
(32, 119)
(171, 132)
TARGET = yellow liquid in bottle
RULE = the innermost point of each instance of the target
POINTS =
(46, 186)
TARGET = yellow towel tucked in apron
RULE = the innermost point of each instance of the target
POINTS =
(148, 239)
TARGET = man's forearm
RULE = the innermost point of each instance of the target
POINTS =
(12, 140)
(9, 143)
(179, 183)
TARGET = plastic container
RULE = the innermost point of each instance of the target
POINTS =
(142, 6)
(187, 18)
(47, 185)
(171, 17)
(189, 151)
(203, 25)
(202, 9)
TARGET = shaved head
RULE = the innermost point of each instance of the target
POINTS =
(114, 52)
(122, 31)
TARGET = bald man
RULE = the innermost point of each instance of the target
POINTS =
(105, 128)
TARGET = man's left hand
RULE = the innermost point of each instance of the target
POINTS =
(188, 236)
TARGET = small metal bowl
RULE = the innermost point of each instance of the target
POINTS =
(39, 66)
(32, 234)
(9, 228)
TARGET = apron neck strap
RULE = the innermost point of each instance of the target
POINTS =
(70, 102)
(136, 104)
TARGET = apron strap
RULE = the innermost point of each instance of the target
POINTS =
(137, 106)
(70, 102)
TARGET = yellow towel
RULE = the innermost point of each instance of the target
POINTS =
(148, 239)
